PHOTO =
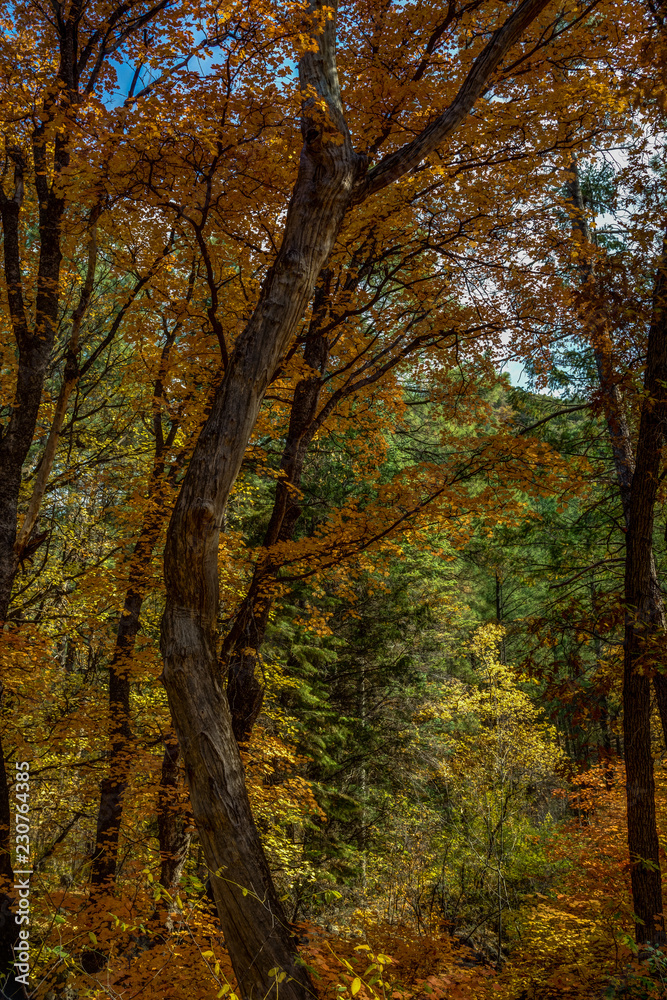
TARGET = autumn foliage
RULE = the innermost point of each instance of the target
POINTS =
(332, 648)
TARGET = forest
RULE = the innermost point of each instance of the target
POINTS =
(333, 509)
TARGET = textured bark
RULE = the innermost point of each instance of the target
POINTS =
(645, 625)
(330, 176)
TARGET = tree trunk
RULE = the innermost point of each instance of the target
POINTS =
(34, 336)
(252, 918)
(121, 748)
(645, 625)
(34, 344)
(645, 617)
(174, 820)
(121, 740)
(617, 428)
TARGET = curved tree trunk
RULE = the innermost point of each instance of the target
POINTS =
(254, 924)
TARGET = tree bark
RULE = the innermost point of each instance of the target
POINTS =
(645, 616)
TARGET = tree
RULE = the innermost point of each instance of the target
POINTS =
(332, 178)
(39, 154)
(644, 622)
(517, 751)
(637, 478)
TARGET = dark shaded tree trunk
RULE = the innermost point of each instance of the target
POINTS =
(114, 784)
(174, 818)
(121, 749)
(645, 625)
(618, 431)
(76, 53)
(637, 479)
(34, 343)
(121, 741)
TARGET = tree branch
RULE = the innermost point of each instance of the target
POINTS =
(405, 159)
